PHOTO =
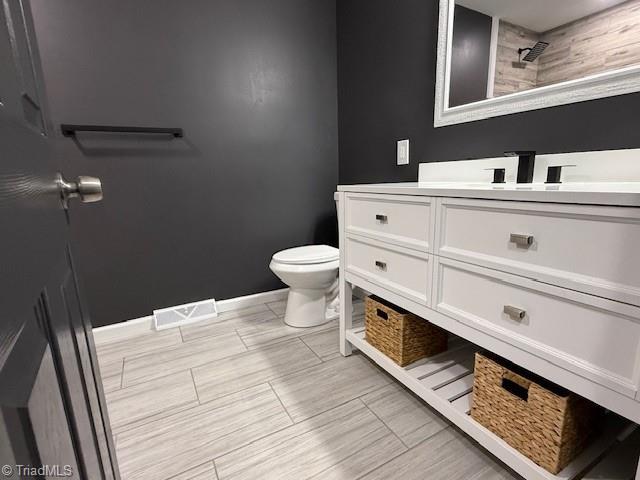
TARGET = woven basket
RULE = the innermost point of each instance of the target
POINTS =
(402, 336)
(544, 422)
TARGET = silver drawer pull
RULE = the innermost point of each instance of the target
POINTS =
(381, 265)
(521, 240)
(381, 218)
(514, 312)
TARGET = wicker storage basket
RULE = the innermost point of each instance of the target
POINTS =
(542, 421)
(402, 336)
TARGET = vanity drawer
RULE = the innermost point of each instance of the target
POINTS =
(585, 248)
(399, 219)
(593, 337)
(401, 270)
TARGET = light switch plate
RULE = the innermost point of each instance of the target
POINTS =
(403, 152)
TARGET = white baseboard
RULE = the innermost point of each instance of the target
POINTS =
(118, 331)
(137, 326)
(251, 300)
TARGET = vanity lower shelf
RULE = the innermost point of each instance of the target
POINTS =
(445, 382)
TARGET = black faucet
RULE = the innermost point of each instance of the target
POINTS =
(526, 162)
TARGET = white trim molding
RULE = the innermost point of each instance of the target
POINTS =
(493, 54)
(122, 330)
(250, 300)
(606, 84)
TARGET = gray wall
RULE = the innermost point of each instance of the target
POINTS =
(253, 84)
(386, 70)
(471, 48)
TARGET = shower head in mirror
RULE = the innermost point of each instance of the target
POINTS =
(533, 52)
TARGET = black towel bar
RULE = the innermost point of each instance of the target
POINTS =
(69, 130)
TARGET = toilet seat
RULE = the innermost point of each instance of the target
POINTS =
(307, 255)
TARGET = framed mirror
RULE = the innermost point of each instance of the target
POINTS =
(497, 57)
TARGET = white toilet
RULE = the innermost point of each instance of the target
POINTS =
(311, 272)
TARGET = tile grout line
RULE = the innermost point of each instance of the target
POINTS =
(209, 335)
(195, 386)
(274, 312)
(292, 337)
(215, 468)
(312, 350)
(280, 400)
(155, 351)
(122, 374)
(273, 343)
(241, 340)
(383, 422)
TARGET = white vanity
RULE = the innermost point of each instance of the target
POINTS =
(547, 276)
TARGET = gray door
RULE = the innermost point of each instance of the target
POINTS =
(53, 413)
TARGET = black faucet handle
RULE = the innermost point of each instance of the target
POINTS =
(498, 174)
(554, 173)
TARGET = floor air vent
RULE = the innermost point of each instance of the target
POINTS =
(184, 314)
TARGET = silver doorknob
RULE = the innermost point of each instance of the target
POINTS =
(87, 189)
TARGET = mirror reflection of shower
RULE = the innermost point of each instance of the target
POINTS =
(519, 45)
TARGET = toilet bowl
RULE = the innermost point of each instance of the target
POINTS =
(311, 272)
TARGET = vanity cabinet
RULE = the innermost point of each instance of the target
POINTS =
(554, 287)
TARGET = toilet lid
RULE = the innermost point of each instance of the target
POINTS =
(307, 255)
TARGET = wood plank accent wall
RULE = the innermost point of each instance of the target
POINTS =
(600, 42)
(603, 41)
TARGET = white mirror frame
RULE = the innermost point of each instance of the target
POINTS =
(606, 84)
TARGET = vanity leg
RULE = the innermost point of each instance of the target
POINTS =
(346, 292)
(346, 315)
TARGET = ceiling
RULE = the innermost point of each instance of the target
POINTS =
(539, 15)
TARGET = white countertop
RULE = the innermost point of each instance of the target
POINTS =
(619, 194)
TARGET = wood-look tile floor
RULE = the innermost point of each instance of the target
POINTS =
(244, 396)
